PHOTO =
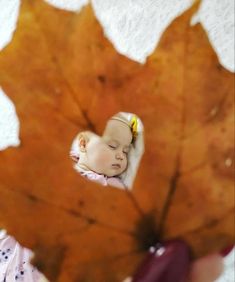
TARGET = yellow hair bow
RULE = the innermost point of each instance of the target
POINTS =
(134, 124)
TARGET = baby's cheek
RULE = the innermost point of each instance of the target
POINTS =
(104, 159)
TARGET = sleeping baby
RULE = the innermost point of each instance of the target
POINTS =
(104, 159)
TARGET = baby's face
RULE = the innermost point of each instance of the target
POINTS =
(108, 154)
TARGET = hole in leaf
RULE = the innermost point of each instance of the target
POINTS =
(113, 158)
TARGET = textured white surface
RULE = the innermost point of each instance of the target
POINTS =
(9, 11)
(217, 18)
(70, 5)
(134, 27)
(229, 273)
(9, 123)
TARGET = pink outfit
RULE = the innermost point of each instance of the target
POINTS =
(14, 261)
(100, 178)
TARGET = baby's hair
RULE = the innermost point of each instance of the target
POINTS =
(132, 124)
(121, 118)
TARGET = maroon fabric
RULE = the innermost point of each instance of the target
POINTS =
(167, 262)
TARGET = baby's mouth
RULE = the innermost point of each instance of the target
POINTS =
(116, 166)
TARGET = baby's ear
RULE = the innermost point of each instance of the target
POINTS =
(82, 142)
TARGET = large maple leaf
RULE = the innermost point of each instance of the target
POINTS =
(64, 76)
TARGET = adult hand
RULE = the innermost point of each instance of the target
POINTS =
(206, 269)
(171, 262)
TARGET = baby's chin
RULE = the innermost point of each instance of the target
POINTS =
(114, 173)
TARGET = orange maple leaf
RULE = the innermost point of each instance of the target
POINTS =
(64, 76)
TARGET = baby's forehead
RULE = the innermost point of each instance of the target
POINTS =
(116, 129)
(114, 125)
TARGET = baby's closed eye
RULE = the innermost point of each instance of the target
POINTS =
(126, 150)
(113, 145)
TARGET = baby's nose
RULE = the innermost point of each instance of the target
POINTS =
(119, 156)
